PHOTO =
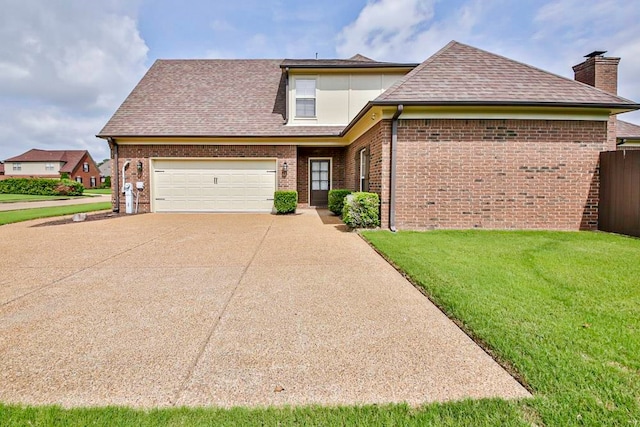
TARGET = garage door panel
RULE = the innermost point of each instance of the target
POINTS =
(214, 185)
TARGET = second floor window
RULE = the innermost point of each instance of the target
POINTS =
(48, 167)
(85, 167)
(305, 98)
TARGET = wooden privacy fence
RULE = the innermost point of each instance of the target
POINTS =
(619, 210)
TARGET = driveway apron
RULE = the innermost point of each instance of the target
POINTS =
(226, 310)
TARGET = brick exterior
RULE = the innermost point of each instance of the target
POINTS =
(496, 174)
(94, 172)
(378, 139)
(337, 173)
(135, 153)
(601, 73)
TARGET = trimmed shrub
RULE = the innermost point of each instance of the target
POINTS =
(336, 200)
(64, 175)
(107, 182)
(41, 187)
(285, 202)
(361, 210)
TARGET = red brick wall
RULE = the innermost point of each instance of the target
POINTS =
(337, 173)
(135, 153)
(600, 72)
(378, 139)
(94, 171)
(499, 174)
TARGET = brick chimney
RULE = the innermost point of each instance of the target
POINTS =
(602, 73)
(598, 71)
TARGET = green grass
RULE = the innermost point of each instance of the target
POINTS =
(11, 198)
(563, 309)
(8, 217)
(467, 413)
(97, 191)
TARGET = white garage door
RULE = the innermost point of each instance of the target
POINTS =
(213, 185)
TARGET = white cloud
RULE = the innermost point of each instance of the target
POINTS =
(551, 35)
(65, 66)
(384, 26)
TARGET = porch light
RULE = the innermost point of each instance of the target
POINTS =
(139, 166)
(285, 167)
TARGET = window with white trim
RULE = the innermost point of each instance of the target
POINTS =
(17, 166)
(364, 169)
(79, 179)
(305, 97)
(92, 181)
(85, 167)
(49, 167)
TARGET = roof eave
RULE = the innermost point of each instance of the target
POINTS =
(290, 136)
(612, 105)
(350, 66)
(619, 108)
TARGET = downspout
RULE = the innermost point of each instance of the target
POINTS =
(116, 175)
(286, 95)
(392, 180)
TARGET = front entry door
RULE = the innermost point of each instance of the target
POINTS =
(319, 181)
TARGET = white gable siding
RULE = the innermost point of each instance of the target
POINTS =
(339, 96)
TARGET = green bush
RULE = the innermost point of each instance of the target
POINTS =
(361, 210)
(64, 175)
(285, 202)
(41, 187)
(336, 200)
(107, 182)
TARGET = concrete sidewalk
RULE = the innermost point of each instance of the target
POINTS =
(96, 198)
(224, 310)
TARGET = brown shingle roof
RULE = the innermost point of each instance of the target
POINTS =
(463, 74)
(357, 61)
(70, 157)
(209, 98)
(627, 130)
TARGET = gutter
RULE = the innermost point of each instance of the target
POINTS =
(622, 108)
(116, 183)
(286, 95)
(392, 180)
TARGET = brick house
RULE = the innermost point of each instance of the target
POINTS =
(628, 135)
(466, 139)
(35, 163)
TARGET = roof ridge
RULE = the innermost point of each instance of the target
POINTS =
(408, 78)
(533, 67)
(416, 70)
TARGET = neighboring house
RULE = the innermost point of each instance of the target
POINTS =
(466, 139)
(36, 163)
(105, 170)
(628, 135)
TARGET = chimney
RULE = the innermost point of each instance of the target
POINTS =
(598, 71)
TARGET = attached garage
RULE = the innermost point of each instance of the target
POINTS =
(213, 185)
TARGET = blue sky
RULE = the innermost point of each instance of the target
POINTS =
(66, 65)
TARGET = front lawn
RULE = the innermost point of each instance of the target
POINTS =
(8, 217)
(562, 309)
(97, 191)
(12, 198)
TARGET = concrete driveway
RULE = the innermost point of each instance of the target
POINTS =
(238, 309)
(97, 198)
